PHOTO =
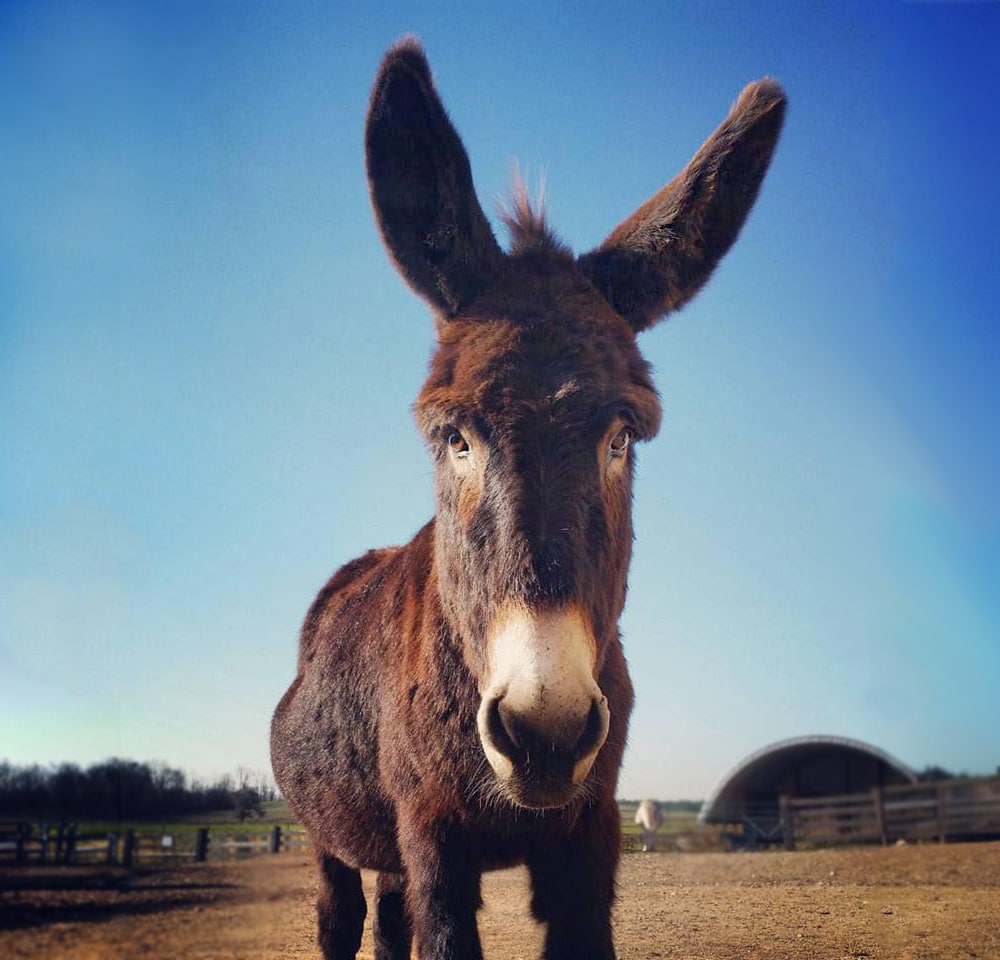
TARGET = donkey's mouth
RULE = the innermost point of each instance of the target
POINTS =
(549, 790)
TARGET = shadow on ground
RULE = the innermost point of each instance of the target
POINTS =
(34, 898)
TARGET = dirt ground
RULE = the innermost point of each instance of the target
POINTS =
(911, 903)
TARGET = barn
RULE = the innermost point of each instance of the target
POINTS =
(747, 801)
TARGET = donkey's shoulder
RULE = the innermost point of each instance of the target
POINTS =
(362, 577)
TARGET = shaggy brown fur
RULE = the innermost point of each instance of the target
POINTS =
(536, 391)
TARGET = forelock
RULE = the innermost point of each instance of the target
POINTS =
(526, 222)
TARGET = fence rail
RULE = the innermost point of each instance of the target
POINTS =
(951, 809)
(40, 843)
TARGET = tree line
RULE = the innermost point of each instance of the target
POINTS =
(119, 790)
(934, 774)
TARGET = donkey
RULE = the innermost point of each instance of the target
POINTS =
(461, 702)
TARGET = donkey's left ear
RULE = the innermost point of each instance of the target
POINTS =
(662, 255)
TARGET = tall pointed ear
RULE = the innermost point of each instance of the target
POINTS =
(662, 255)
(421, 186)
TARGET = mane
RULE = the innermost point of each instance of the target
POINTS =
(526, 221)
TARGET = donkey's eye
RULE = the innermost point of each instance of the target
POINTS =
(619, 442)
(457, 444)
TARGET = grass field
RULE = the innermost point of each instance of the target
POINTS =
(277, 813)
(675, 821)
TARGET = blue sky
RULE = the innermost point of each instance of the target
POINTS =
(207, 362)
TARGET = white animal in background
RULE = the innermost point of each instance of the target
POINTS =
(650, 817)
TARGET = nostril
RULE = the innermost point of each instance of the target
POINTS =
(510, 724)
(502, 727)
(595, 730)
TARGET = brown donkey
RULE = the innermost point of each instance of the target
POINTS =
(462, 701)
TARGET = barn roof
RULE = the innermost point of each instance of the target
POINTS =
(802, 766)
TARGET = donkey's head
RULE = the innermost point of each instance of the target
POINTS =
(537, 392)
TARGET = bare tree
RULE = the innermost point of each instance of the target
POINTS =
(247, 799)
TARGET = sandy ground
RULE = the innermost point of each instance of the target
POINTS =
(911, 903)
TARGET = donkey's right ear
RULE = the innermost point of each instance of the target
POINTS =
(421, 186)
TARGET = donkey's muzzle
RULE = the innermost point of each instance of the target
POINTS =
(543, 766)
(543, 718)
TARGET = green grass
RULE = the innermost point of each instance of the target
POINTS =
(675, 821)
(276, 813)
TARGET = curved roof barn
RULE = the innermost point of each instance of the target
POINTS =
(814, 766)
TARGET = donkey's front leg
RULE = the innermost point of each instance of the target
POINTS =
(391, 926)
(443, 874)
(340, 908)
(573, 886)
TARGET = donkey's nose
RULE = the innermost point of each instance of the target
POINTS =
(542, 762)
(515, 734)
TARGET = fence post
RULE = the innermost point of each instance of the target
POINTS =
(70, 851)
(275, 845)
(128, 848)
(201, 845)
(112, 848)
(60, 837)
(942, 813)
(879, 801)
(22, 831)
(43, 833)
(787, 831)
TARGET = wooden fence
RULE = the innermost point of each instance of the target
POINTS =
(950, 810)
(953, 809)
(28, 843)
